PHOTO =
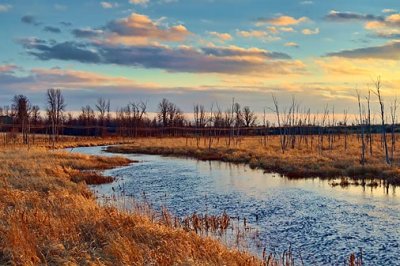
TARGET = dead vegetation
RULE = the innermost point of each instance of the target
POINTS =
(299, 162)
(48, 219)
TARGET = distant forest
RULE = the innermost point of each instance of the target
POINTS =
(132, 120)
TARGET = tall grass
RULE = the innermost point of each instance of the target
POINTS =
(300, 162)
(49, 217)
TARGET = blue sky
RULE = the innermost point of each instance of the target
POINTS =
(202, 51)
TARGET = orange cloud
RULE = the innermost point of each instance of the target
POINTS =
(291, 44)
(68, 78)
(221, 36)
(283, 21)
(139, 2)
(138, 28)
(7, 68)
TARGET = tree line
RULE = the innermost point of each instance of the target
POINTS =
(295, 125)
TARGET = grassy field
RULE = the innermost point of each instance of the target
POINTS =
(303, 161)
(49, 216)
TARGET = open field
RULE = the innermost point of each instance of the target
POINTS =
(63, 141)
(302, 161)
(48, 216)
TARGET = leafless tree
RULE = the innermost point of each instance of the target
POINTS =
(162, 115)
(55, 108)
(22, 109)
(87, 117)
(378, 93)
(35, 119)
(393, 116)
(102, 106)
(199, 120)
(362, 161)
(368, 98)
(278, 118)
(249, 117)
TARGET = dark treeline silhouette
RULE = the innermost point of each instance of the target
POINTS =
(293, 124)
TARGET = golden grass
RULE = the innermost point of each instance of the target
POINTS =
(47, 218)
(63, 141)
(301, 162)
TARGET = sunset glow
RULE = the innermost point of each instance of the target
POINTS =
(199, 51)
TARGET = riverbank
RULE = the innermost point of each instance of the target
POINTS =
(302, 162)
(49, 216)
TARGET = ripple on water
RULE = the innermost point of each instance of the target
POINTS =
(322, 223)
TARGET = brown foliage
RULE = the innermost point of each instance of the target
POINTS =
(47, 219)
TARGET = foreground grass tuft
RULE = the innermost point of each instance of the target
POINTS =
(49, 216)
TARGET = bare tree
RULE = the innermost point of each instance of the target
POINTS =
(22, 109)
(362, 161)
(102, 107)
(35, 119)
(369, 121)
(382, 107)
(345, 118)
(163, 112)
(199, 120)
(393, 116)
(55, 108)
(278, 117)
(87, 117)
(249, 117)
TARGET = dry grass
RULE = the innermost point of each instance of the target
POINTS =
(63, 141)
(300, 162)
(47, 218)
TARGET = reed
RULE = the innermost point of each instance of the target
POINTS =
(299, 162)
(47, 218)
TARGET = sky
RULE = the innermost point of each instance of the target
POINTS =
(200, 51)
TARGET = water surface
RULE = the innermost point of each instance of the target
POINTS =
(322, 223)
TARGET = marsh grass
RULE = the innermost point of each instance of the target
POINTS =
(47, 218)
(300, 162)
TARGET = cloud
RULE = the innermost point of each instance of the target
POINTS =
(389, 10)
(257, 34)
(68, 78)
(86, 33)
(282, 21)
(139, 2)
(62, 51)
(52, 29)
(292, 44)
(138, 27)
(227, 60)
(108, 5)
(76, 86)
(252, 34)
(389, 51)
(351, 16)
(29, 19)
(5, 8)
(310, 31)
(381, 26)
(8, 68)
(221, 36)
(235, 51)
(86, 86)
(389, 28)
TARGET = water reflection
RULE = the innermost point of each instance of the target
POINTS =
(323, 223)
